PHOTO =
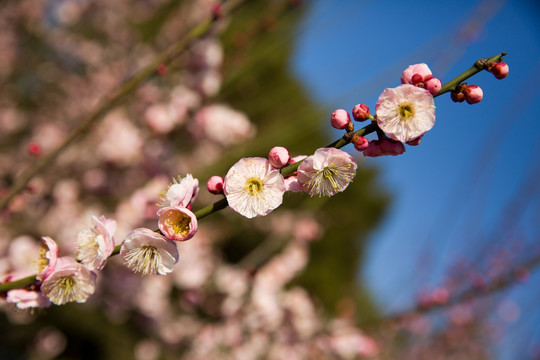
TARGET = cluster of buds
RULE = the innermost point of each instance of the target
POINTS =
(420, 75)
(471, 93)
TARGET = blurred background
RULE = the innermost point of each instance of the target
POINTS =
(319, 278)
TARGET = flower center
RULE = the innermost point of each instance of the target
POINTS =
(42, 261)
(254, 186)
(406, 111)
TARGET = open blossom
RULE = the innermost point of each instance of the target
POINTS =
(148, 252)
(177, 223)
(47, 258)
(253, 187)
(181, 192)
(25, 299)
(326, 172)
(96, 244)
(405, 112)
(70, 281)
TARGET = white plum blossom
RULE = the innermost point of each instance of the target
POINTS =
(177, 223)
(70, 281)
(148, 252)
(405, 112)
(96, 244)
(181, 192)
(326, 172)
(253, 187)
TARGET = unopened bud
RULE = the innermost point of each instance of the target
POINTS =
(360, 112)
(416, 79)
(278, 157)
(416, 141)
(433, 85)
(500, 70)
(215, 185)
(340, 119)
(473, 94)
(360, 142)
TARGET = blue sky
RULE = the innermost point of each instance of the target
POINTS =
(454, 194)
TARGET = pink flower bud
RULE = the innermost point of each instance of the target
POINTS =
(473, 94)
(360, 143)
(416, 79)
(340, 119)
(215, 185)
(433, 85)
(384, 147)
(278, 157)
(418, 69)
(500, 70)
(361, 112)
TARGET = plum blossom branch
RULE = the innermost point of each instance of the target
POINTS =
(255, 186)
(115, 98)
(502, 282)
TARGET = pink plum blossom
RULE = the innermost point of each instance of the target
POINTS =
(292, 184)
(360, 142)
(405, 112)
(253, 187)
(25, 299)
(47, 259)
(181, 192)
(278, 156)
(96, 244)
(70, 281)
(177, 223)
(327, 172)
(148, 252)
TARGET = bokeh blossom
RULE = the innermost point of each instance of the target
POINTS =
(147, 252)
(405, 112)
(70, 281)
(25, 299)
(253, 187)
(177, 223)
(96, 244)
(326, 172)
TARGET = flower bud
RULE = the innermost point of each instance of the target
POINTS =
(340, 119)
(433, 85)
(422, 70)
(360, 142)
(278, 157)
(500, 70)
(416, 79)
(215, 185)
(416, 141)
(473, 94)
(361, 112)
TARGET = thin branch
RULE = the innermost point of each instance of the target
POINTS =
(496, 285)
